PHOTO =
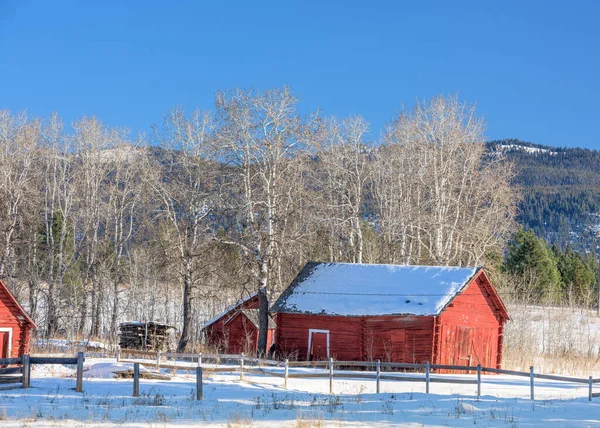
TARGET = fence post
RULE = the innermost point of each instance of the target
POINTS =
(199, 383)
(378, 376)
(136, 379)
(590, 395)
(331, 375)
(27, 372)
(200, 358)
(242, 367)
(286, 373)
(157, 360)
(427, 371)
(79, 382)
(118, 353)
(531, 377)
(478, 381)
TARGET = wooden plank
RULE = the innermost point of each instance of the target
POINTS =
(11, 379)
(136, 379)
(309, 363)
(561, 378)
(404, 365)
(79, 379)
(357, 363)
(502, 371)
(26, 371)
(8, 361)
(264, 372)
(198, 383)
(52, 360)
(451, 367)
(11, 370)
(308, 375)
(138, 352)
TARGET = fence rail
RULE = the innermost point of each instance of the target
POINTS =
(20, 376)
(330, 372)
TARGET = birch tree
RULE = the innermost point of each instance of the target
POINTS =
(259, 135)
(58, 173)
(91, 140)
(436, 190)
(19, 140)
(344, 160)
(182, 183)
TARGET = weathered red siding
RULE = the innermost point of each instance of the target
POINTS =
(216, 333)
(387, 338)
(242, 335)
(470, 328)
(14, 319)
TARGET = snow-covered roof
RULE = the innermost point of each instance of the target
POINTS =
(371, 289)
(229, 309)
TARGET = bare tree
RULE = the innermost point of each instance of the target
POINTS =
(344, 159)
(19, 139)
(91, 141)
(437, 193)
(58, 171)
(182, 184)
(124, 196)
(259, 135)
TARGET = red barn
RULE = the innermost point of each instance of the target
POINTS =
(412, 314)
(15, 326)
(236, 329)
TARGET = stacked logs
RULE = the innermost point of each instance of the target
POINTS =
(147, 336)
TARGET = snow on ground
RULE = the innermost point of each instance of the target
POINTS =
(261, 401)
(67, 344)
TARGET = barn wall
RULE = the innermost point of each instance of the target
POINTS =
(470, 326)
(242, 335)
(344, 340)
(216, 335)
(20, 329)
(388, 338)
(406, 339)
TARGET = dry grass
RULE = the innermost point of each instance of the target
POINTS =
(313, 422)
(562, 340)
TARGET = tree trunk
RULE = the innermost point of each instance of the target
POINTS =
(263, 320)
(187, 307)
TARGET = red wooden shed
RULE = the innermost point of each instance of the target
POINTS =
(235, 330)
(15, 326)
(412, 314)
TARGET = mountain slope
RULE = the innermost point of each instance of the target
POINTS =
(560, 191)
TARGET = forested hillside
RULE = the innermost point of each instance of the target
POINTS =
(560, 191)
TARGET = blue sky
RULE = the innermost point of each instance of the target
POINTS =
(532, 67)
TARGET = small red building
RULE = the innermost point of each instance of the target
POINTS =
(236, 329)
(412, 314)
(15, 326)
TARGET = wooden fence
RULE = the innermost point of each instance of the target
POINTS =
(19, 374)
(164, 360)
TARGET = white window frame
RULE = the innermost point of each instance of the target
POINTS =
(310, 333)
(10, 334)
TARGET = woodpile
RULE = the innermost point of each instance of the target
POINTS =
(147, 336)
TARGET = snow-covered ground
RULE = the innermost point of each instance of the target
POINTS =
(261, 401)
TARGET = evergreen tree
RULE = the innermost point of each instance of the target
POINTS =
(529, 255)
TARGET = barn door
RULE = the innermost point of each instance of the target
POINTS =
(4, 344)
(464, 339)
(318, 345)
